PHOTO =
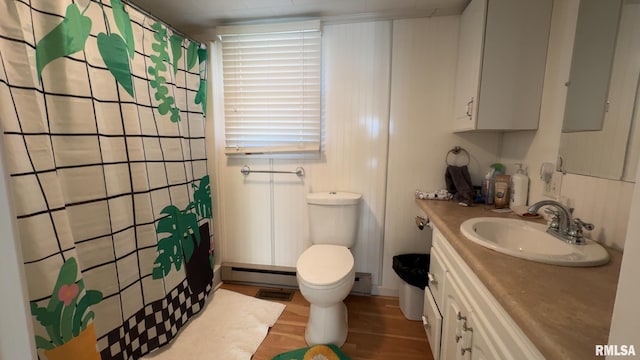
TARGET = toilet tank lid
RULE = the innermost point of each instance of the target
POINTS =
(333, 198)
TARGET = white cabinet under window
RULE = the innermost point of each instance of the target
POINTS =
(502, 48)
(473, 324)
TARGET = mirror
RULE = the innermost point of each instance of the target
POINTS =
(600, 132)
(593, 49)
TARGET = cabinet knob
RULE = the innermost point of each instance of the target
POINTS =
(425, 322)
(469, 107)
(432, 279)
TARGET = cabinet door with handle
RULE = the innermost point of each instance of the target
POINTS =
(456, 333)
(436, 276)
(432, 322)
(470, 43)
(481, 346)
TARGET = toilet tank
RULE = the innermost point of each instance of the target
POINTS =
(333, 217)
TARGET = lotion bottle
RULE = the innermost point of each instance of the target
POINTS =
(519, 188)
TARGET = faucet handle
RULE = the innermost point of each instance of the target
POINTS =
(581, 224)
(575, 233)
(554, 223)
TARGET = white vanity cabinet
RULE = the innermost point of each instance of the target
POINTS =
(474, 325)
(456, 331)
(464, 336)
(502, 48)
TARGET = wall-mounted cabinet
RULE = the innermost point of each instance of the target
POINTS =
(502, 49)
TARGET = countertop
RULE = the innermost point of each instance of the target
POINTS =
(565, 311)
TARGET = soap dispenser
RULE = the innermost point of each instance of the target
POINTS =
(519, 188)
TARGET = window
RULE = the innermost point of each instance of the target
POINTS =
(272, 80)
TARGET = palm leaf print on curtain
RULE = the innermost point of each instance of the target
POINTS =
(102, 114)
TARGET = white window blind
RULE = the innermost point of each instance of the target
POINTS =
(272, 80)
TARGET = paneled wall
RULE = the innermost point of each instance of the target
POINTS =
(422, 88)
(263, 217)
(388, 92)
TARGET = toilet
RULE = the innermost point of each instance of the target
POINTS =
(325, 271)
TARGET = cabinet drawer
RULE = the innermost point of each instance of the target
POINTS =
(437, 278)
(432, 322)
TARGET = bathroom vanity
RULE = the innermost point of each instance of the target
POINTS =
(481, 304)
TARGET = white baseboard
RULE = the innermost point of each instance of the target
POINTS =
(279, 276)
(217, 276)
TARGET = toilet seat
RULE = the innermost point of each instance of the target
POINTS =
(325, 266)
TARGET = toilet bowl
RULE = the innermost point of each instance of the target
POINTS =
(325, 271)
(325, 276)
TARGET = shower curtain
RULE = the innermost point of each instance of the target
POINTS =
(102, 113)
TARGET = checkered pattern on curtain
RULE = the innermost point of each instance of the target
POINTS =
(102, 163)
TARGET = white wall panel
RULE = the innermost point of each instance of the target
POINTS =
(422, 88)
(290, 226)
(264, 217)
(605, 203)
(247, 213)
(16, 329)
(356, 88)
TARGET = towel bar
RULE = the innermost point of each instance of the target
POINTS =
(247, 170)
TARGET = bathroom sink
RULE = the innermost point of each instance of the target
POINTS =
(529, 240)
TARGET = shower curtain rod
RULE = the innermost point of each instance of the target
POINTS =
(146, 13)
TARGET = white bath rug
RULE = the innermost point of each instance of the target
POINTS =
(230, 327)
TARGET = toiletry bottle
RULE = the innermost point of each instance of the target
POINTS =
(519, 188)
(488, 187)
(502, 191)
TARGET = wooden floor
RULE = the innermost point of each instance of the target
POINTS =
(377, 329)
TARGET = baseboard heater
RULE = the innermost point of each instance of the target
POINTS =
(279, 276)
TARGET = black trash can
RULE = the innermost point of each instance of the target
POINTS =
(412, 270)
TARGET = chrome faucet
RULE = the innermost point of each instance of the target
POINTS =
(562, 225)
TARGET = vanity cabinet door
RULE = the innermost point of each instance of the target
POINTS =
(456, 336)
(464, 334)
(432, 322)
(437, 271)
(481, 346)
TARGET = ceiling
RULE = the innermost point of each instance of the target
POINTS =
(198, 18)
